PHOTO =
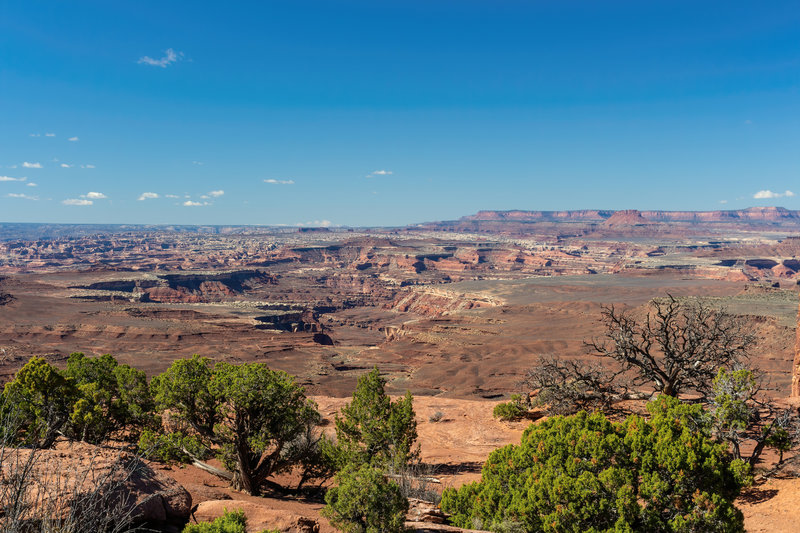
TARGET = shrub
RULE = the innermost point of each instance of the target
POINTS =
(744, 417)
(438, 416)
(513, 410)
(586, 473)
(92, 400)
(507, 411)
(42, 399)
(171, 447)
(113, 399)
(364, 501)
(230, 522)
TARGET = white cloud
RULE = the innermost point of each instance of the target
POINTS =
(49, 134)
(64, 165)
(767, 194)
(279, 182)
(316, 223)
(379, 173)
(165, 196)
(73, 139)
(216, 194)
(31, 165)
(723, 201)
(88, 166)
(32, 184)
(9, 178)
(189, 203)
(35, 135)
(94, 195)
(23, 196)
(170, 56)
(76, 201)
(148, 196)
(198, 163)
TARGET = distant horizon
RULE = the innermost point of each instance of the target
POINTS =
(410, 224)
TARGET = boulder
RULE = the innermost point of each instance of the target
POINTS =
(112, 480)
(423, 511)
(259, 517)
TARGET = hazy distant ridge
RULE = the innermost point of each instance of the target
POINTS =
(751, 214)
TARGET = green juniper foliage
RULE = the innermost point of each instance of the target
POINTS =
(364, 501)
(586, 473)
(111, 398)
(375, 430)
(230, 522)
(250, 415)
(93, 399)
(42, 399)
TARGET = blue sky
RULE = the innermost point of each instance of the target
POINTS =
(391, 113)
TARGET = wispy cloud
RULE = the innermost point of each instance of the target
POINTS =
(767, 194)
(148, 196)
(198, 163)
(9, 178)
(88, 166)
(94, 195)
(723, 201)
(165, 196)
(279, 182)
(74, 139)
(64, 165)
(170, 57)
(212, 194)
(26, 164)
(32, 184)
(21, 196)
(35, 135)
(49, 134)
(189, 203)
(76, 201)
(379, 173)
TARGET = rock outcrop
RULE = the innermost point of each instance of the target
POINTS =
(259, 517)
(79, 474)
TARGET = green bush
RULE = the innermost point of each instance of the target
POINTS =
(39, 400)
(586, 473)
(230, 522)
(92, 400)
(113, 399)
(364, 501)
(170, 447)
(507, 411)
